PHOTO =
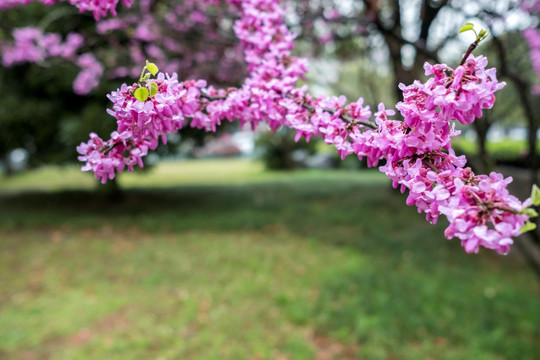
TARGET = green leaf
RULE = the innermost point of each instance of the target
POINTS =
(482, 35)
(535, 195)
(152, 68)
(528, 227)
(153, 89)
(141, 94)
(466, 27)
(530, 212)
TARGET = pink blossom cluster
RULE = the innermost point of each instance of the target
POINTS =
(438, 184)
(532, 36)
(141, 125)
(419, 157)
(88, 77)
(99, 8)
(8, 4)
(481, 212)
(177, 104)
(530, 5)
(417, 152)
(33, 45)
(193, 38)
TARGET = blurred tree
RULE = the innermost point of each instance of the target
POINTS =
(192, 41)
(278, 149)
(196, 40)
(401, 35)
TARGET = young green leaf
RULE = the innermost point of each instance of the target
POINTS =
(528, 227)
(466, 27)
(530, 212)
(141, 94)
(152, 68)
(535, 195)
(153, 89)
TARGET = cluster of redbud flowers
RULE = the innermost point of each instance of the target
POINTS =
(33, 45)
(417, 153)
(99, 8)
(417, 150)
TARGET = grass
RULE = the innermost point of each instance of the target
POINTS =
(236, 263)
(169, 174)
(507, 149)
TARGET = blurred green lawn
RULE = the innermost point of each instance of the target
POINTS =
(505, 149)
(221, 260)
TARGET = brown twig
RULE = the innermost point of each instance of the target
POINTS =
(469, 51)
(310, 108)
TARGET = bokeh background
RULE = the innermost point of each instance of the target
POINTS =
(244, 244)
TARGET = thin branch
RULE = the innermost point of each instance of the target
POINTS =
(343, 117)
(470, 49)
(431, 166)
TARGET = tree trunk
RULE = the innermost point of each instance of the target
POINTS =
(7, 165)
(483, 163)
(112, 190)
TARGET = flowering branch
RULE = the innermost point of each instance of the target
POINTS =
(417, 151)
(99, 8)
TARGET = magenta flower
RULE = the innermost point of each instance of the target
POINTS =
(416, 152)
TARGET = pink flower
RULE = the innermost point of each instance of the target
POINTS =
(88, 78)
(416, 152)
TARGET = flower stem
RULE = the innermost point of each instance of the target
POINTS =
(469, 51)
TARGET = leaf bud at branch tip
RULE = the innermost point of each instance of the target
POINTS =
(480, 36)
(151, 68)
(535, 195)
(146, 89)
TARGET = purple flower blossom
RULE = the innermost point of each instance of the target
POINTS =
(416, 152)
(32, 45)
(100, 8)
